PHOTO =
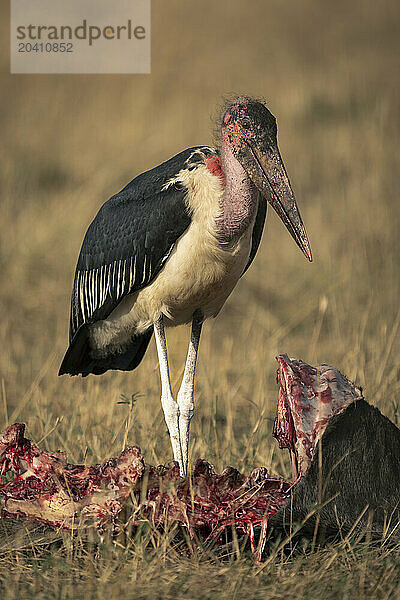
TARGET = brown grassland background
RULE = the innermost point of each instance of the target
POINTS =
(330, 73)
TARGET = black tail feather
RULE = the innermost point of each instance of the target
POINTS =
(78, 359)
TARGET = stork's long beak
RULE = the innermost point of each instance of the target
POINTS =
(268, 173)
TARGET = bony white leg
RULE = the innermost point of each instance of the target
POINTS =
(185, 397)
(169, 405)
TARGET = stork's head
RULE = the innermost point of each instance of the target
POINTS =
(249, 130)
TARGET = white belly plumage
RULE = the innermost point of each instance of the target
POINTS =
(200, 274)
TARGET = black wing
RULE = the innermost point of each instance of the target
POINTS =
(128, 242)
(257, 230)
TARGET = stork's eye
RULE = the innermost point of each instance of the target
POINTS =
(246, 123)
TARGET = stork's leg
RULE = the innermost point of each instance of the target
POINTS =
(186, 393)
(170, 406)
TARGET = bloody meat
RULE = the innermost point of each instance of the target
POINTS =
(346, 455)
(345, 460)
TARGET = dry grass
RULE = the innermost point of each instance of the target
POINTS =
(329, 71)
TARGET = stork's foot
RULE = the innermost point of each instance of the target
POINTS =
(178, 413)
(185, 398)
(185, 403)
(171, 414)
(168, 402)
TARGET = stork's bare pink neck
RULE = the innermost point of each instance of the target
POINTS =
(239, 201)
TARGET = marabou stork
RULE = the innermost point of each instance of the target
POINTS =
(169, 248)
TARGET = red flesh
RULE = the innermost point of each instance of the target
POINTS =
(48, 489)
(308, 398)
